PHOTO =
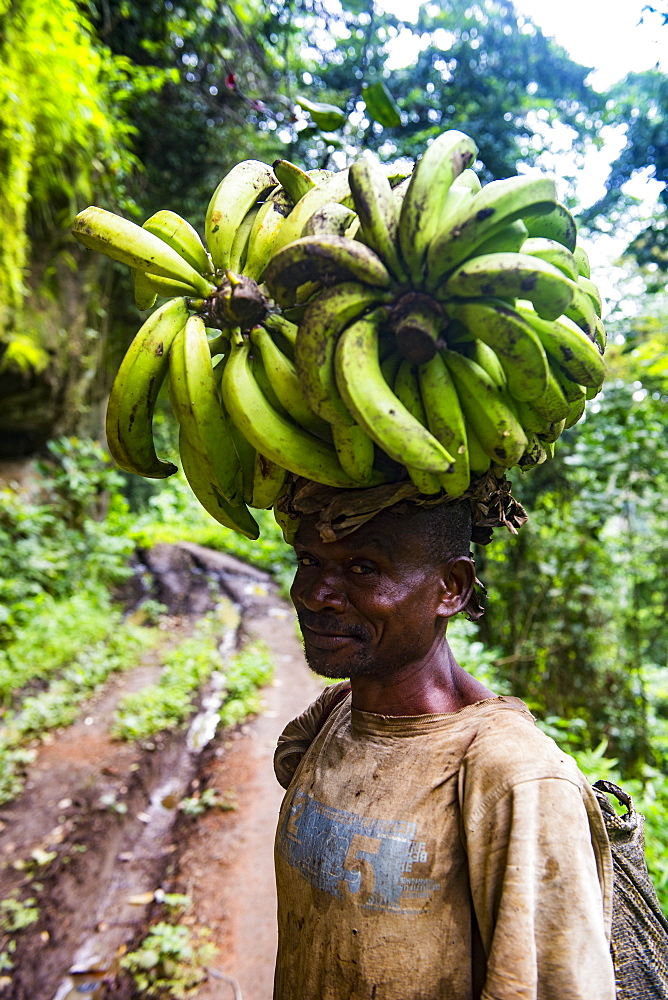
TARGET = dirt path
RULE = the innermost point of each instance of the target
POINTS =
(101, 860)
(228, 866)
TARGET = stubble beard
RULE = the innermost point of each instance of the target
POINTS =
(359, 663)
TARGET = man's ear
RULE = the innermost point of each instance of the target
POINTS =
(457, 583)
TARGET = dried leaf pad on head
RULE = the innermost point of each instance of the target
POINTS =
(340, 512)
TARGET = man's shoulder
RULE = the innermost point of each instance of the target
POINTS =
(508, 747)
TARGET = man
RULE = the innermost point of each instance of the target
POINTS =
(433, 844)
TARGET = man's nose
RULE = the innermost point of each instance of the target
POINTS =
(322, 592)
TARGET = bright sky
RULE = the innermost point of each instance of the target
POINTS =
(603, 34)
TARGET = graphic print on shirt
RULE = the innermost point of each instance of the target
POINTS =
(374, 863)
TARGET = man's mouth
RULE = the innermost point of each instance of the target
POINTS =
(330, 635)
(326, 640)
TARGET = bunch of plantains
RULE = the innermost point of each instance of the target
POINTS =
(356, 328)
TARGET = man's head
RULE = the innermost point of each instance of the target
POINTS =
(379, 599)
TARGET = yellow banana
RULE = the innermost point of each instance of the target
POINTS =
(295, 180)
(144, 292)
(236, 194)
(534, 453)
(355, 450)
(557, 224)
(331, 219)
(129, 244)
(570, 347)
(313, 258)
(582, 261)
(576, 395)
(552, 405)
(168, 288)
(592, 291)
(129, 420)
(376, 407)
(514, 276)
(505, 239)
(486, 357)
(376, 208)
(323, 321)
(193, 393)
(407, 388)
(285, 383)
(332, 188)
(478, 217)
(513, 340)
(479, 460)
(447, 156)
(202, 482)
(534, 423)
(239, 248)
(494, 423)
(270, 433)
(268, 482)
(553, 252)
(182, 237)
(263, 238)
(283, 331)
(446, 422)
(581, 310)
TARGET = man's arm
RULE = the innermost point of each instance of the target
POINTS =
(538, 896)
(298, 735)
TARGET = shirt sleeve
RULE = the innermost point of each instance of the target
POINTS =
(298, 735)
(538, 893)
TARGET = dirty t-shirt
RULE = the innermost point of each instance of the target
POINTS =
(394, 831)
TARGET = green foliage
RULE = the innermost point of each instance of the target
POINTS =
(78, 665)
(196, 805)
(640, 100)
(52, 542)
(483, 68)
(171, 701)
(248, 671)
(15, 915)
(578, 599)
(170, 962)
(173, 514)
(59, 136)
(186, 669)
(60, 633)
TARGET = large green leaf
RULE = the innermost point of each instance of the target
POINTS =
(380, 104)
(326, 116)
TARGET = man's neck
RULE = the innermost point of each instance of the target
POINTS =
(435, 686)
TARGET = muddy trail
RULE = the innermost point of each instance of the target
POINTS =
(97, 837)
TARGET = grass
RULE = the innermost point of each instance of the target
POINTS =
(187, 668)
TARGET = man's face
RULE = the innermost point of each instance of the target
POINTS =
(368, 604)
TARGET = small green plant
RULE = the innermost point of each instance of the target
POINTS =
(209, 799)
(151, 611)
(174, 902)
(15, 915)
(59, 703)
(110, 802)
(170, 962)
(248, 671)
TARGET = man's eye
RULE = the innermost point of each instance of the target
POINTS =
(306, 561)
(361, 568)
